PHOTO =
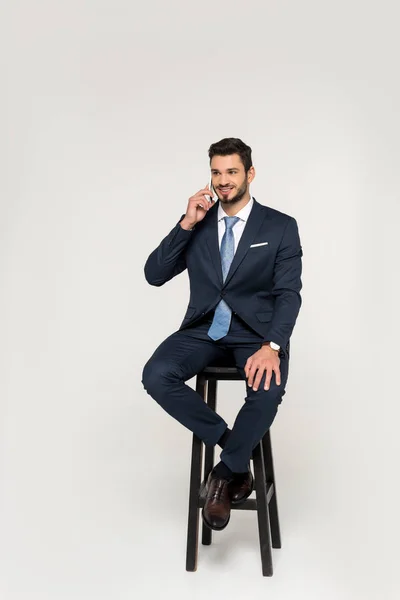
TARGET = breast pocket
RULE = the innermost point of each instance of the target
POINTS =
(259, 245)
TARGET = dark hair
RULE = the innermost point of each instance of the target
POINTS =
(232, 146)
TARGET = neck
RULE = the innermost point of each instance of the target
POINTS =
(232, 209)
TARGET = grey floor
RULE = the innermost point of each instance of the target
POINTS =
(91, 511)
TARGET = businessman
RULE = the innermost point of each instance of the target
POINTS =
(244, 266)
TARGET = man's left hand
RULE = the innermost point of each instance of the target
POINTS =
(264, 360)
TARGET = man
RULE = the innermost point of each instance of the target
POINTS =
(244, 266)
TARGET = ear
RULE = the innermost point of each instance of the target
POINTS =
(251, 174)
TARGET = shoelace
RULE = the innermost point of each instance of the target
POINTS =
(219, 490)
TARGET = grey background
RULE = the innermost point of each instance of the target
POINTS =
(108, 110)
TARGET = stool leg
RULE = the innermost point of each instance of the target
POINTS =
(273, 503)
(206, 538)
(262, 511)
(195, 481)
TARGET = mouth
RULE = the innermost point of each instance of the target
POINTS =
(225, 190)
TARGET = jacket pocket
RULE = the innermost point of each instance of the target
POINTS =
(264, 317)
(259, 245)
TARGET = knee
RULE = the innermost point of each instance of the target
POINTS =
(270, 398)
(150, 375)
(274, 389)
(156, 374)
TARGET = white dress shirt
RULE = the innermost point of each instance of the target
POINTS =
(238, 227)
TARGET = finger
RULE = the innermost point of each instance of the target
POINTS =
(200, 202)
(252, 374)
(268, 379)
(204, 192)
(257, 381)
(207, 190)
(277, 376)
(247, 367)
(251, 369)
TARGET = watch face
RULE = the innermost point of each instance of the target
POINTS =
(274, 346)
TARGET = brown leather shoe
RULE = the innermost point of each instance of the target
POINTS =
(239, 492)
(217, 508)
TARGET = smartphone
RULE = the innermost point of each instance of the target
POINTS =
(209, 198)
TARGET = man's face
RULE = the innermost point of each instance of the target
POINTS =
(229, 179)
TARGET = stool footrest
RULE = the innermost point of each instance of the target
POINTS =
(249, 504)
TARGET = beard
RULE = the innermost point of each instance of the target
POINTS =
(240, 193)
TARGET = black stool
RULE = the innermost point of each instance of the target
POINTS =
(264, 481)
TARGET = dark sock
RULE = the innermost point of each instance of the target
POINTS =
(240, 477)
(221, 470)
(224, 437)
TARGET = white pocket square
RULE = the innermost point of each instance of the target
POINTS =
(261, 244)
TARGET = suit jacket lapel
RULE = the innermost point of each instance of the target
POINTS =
(213, 242)
(250, 231)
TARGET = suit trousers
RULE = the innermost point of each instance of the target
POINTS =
(183, 355)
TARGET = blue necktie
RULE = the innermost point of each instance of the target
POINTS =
(223, 314)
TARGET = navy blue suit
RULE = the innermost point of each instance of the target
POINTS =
(263, 290)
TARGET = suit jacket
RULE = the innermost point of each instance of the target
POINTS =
(264, 281)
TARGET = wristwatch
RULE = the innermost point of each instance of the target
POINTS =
(273, 346)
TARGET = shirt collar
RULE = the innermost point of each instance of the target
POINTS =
(243, 213)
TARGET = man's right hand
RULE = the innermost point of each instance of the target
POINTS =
(197, 208)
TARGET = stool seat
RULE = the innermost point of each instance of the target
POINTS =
(222, 368)
(265, 502)
(224, 361)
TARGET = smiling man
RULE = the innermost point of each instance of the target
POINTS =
(244, 266)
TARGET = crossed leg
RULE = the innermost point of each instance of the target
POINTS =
(179, 358)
